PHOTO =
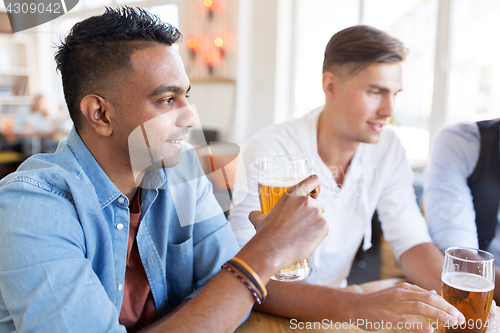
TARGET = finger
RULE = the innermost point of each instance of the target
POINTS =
(492, 319)
(254, 215)
(493, 310)
(409, 286)
(306, 186)
(417, 294)
(432, 306)
(317, 204)
(315, 193)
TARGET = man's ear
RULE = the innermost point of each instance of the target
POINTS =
(97, 111)
(330, 85)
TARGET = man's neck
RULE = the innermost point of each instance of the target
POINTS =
(118, 169)
(335, 151)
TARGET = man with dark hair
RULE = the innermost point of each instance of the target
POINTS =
(363, 168)
(113, 234)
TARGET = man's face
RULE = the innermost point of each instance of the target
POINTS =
(364, 103)
(152, 103)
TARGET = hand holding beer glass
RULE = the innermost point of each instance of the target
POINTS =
(468, 282)
(276, 176)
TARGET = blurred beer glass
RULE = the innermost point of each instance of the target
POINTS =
(468, 283)
(276, 176)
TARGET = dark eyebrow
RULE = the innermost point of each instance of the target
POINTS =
(381, 88)
(163, 89)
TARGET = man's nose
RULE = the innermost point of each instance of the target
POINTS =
(387, 107)
(186, 117)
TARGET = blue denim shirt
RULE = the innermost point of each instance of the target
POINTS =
(63, 241)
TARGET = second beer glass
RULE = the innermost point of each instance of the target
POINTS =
(468, 282)
(276, 176)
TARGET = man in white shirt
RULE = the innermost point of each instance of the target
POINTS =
(363, 168)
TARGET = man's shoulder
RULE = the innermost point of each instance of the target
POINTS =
(459, 133)
(280, 131)
(285, 137)
(51, 172)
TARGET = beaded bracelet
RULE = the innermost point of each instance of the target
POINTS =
(248, 275)
(250, 271)
(248, 279)
(254, 293)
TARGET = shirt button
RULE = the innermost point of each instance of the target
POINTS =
(119, 226)
(120, 287)
(121, 200)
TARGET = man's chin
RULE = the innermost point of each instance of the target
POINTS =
(374, 138)
(168, 162)
(172, 161)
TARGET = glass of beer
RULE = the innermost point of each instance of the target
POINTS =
(276, 176)
(468, 282)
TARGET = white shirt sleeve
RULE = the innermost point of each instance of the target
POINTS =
(447, 197)
(402, 222)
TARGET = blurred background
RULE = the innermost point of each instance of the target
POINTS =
(257, 62)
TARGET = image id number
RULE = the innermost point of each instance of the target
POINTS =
(33, 8)
(471, 324)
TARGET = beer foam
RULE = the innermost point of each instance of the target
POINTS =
(468, 282)
(287, 181)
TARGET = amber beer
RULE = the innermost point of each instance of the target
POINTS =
(471, 294)
(269, 195)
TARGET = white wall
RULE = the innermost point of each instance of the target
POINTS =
(257, 36)
(215, 104)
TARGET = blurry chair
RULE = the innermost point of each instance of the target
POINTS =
(389, 267)
(9, 162)
(219, 161)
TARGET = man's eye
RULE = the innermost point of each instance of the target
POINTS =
(167, 100)
(374, 92)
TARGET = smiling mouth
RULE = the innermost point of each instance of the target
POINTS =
(179, 140)
(377, 126)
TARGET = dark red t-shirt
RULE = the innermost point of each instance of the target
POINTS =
(138, 308)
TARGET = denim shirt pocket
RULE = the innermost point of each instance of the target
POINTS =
(180, 271)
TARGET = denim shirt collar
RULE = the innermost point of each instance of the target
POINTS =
(105, 189)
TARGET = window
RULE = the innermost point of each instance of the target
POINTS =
(474, 90)
(414, 23)
(317, 22)
(168, 13)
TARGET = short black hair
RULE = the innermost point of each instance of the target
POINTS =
(96, 53)
(357, 47)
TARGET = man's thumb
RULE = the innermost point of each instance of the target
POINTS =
(254, 215)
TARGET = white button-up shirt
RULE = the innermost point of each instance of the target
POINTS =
(379, 178)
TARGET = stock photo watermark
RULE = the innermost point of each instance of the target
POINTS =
(354, 325)
(384, 325)
(29, 14)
